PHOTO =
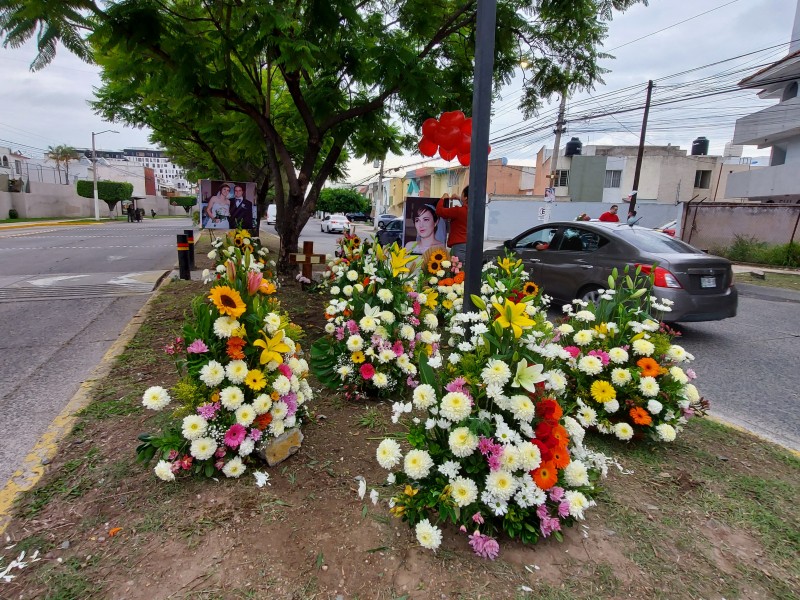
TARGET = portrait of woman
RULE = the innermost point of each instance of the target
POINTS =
(429, 234)
(218, 209)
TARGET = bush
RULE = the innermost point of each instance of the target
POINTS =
(13, 214)
(750, 250)
(187, 202)
(109, 192)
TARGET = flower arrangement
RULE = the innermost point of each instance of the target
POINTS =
(378, 326)
(490, 449)
(443, 275)
(625, 374)
(245, 378)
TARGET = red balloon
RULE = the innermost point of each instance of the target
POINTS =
(429, 127)
(449, 137)
(427, 147)
(464, 159)
(466, 127)
(447, 154)
(464, 144)
(489, 151)
(455, 117)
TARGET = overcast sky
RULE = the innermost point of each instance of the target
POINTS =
(50, 107)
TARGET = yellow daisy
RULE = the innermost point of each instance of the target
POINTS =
(602, 391)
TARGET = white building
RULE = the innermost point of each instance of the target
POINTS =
(776, 127)
(169, 176)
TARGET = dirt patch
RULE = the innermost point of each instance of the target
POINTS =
(712, 515)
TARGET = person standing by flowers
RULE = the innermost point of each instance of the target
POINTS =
(610, 216)
(457, 215)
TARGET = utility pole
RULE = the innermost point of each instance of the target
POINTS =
(640, 155)
(557, 146)
(378, 197)
(94, 173)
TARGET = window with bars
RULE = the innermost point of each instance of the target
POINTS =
(613, 179)
(453, 177)
(702, 179)
(561, 178)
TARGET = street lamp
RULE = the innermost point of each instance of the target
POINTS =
(94, 172)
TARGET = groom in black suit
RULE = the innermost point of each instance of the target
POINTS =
(241, 210)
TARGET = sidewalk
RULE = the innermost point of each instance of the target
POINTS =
(53, 223)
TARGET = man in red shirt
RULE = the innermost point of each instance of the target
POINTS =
(610, 216)
(457, 215)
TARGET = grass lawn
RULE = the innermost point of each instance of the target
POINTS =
(788, 281)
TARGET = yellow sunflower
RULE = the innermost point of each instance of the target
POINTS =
(438, 255)
(530, 288)
(227, 300)
(434, 266)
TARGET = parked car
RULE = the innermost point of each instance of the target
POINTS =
(272, 214)
(574, 260)
(384, 220)
(359, 216)
(391, 232)
(335, 223)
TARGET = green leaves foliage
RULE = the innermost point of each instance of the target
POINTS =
(109, 192)
(342, 200)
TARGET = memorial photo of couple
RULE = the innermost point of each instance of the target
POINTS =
(423, 228)
(227, 204)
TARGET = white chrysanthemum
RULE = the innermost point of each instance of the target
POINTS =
(611, 406)
(556, 381)
(648, 386)
(380, 380)
(690, 393)
(245, 415)
(335, 290)
(576, 474)
(429, 536)
(224, 327)
(231, 397)
(163, 471)
(431, 321)
(676, 353)
(462, 442)
(449, 469)
(643, 347)
(591, 365)
(496, 371)
(618, 355)
(530, 457)
(272, 322)
(577, 503)
(623, 431)
(352, 275)
(277, 427)
(583, 337)
(212, 373)
(388, 453)
(417, 464)
(385, 295)
(678, 375)
(203, 448)
(666, 432)
(236, 371)
(501, 484)
(234, 467)
(387, 317)
(354, 343)
(386, 355)
(194, 426)
(654, 406)
(575, 431)
(282, 385)
(346, 290)
(279, 410)
(510, 460)
(368, 323)
(585, 315)
(246, 447)
(155, 398)
(330, 327)
(587, 416)
(522, 407)
(463, 491)
(565, 329)
(455, 406)
(620, 376)
(212, 255)
(407, 332)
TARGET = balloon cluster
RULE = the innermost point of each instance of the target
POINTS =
(450, 136)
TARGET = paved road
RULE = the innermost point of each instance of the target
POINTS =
(65, 295)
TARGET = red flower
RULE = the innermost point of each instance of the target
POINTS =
(367, 371)
(544, 450)
(549, 409)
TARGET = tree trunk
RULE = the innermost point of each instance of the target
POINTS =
(289, 229)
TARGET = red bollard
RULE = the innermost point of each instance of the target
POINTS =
(183, 258)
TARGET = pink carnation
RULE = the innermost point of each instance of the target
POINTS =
(484, 546)
(367, 371)
(235, 435)
(197, 347)
(285, 370)
(397, 348)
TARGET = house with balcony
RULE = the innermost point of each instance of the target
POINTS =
(776, 128)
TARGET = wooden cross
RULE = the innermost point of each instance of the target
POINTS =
(307, 258)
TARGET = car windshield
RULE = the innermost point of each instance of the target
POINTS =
(398, 224)
(657, 243)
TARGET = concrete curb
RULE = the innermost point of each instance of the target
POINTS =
(33, 466)
(49, 224)
(741, 429)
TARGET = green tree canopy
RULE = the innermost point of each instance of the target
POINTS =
(342, 200)
(312, 80)
(109, 192)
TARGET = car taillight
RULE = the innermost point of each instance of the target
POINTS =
(661, 277)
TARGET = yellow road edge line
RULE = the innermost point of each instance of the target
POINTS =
(33, 467)
(742, 429)
(50, 224)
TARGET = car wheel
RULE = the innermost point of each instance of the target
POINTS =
(590, 294)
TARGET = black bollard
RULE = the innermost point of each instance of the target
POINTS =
(183, 257)
(190, 236)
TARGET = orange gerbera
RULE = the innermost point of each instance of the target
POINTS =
(459, 277)
(560, 456)
(560, 435)
(234, 349)
(446, 282)
(263, 421)
(649, 367)
(546, 476)
(640, 416)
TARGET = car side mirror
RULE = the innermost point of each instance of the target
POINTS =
(381, 225)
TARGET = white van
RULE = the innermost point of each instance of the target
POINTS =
(272, 214)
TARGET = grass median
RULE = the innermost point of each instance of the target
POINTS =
(711, 515)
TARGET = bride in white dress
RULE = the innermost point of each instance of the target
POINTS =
(218, 209)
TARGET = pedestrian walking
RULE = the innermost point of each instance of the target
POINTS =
(457, 215)
(129, 212)
(153, 213)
